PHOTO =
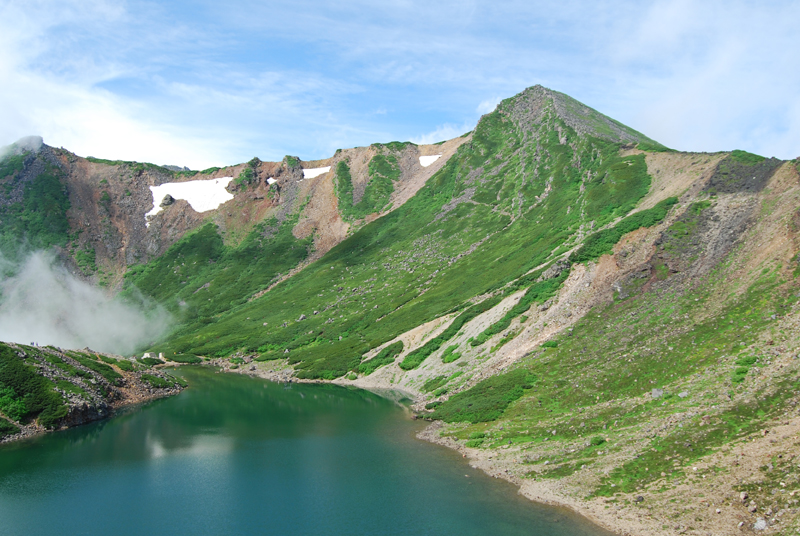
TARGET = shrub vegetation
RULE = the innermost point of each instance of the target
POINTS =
(25, 395)
(603, 242)
(384, 357)
(487, 400)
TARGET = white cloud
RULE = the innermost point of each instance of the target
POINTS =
(67, 79)
(43, 303)
(715, 76)
(443, 133)
(62, 101)
(222, 83)
(488, 105)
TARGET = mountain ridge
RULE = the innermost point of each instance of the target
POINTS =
(533, 103)
(556, 288)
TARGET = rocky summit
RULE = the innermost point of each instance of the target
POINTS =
(608, 323)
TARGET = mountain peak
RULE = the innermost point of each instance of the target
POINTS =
(22, 145)
(532, 105)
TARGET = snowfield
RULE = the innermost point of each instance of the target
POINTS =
(426, 161)
(202, 195)
(310, 173)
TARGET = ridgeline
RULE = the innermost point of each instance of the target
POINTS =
(611, 324)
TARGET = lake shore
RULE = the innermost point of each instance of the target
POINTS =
(89, 388)
(703, 502)
(551, 493)
(542, 492)
(706, 501)
(136, 397)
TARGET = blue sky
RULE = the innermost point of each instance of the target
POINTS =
(212, 83)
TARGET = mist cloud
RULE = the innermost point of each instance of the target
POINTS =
(28, 143)
(43, 303)
(443, 133)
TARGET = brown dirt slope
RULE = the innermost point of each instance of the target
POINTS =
(109, 201)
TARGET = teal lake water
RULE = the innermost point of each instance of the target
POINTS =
(238, 455)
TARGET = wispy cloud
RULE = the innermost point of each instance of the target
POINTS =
(44, 303)
(488, 105)
(222, 83)
(443, 133)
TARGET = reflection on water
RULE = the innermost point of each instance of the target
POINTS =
(237, 455)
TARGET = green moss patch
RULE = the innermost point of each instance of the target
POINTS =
(487, 400)
(384, 357)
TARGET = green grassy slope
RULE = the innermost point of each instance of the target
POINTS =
(383, 171)
(598, 381)
(517, 193)
(43, 385)
(200, 277)
(642, 390)
(39, 220)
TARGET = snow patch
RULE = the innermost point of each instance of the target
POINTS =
(426, 161)
(271, 181)
(310, 173)
(202, 195)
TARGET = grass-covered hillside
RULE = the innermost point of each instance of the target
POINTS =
(611, 324)
(526, 188)
(47, 387)
(600, 315)
(675, 395)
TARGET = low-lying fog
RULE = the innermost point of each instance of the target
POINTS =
(42, 302)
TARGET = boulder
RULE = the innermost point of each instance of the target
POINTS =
(554, 270)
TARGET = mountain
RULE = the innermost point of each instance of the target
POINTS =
(609, 323)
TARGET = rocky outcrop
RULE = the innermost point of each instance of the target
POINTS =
(90, 385)
(108, 201)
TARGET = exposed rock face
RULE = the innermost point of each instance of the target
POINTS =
(35, 163)
(555, 270)
(533, 104)
(83, 412)
(108, 200)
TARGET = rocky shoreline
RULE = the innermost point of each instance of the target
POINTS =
(479, 459)
(89, 386)
(545, 493)
(88, 414)
(704, 502)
